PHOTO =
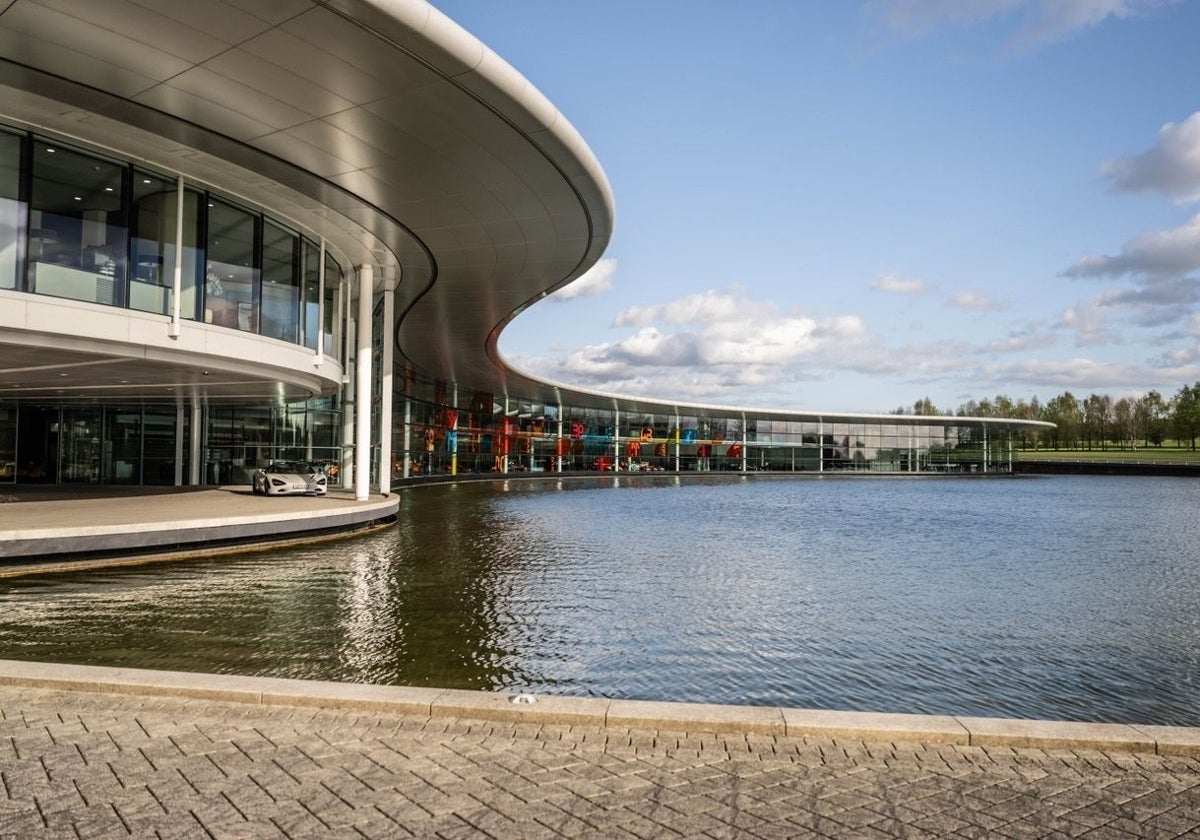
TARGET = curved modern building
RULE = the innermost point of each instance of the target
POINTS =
(244, 230)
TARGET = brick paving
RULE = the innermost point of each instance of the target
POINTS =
(84, 765)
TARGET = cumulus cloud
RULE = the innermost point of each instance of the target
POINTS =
(895, 284)
(1171, 167)
(704, 306)
(1072, 374)
(974, 302)
(595, 281)
(1031, 23)
(1020, 341)
(1153, 256)
(1087, 321)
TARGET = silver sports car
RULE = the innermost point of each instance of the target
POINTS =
(287, 478)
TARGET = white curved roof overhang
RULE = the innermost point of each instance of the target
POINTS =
(378, 124)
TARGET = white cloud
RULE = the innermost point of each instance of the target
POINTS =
(1077, 374)
(1021, 341)
(1031, 23)
(895, 284)
(595, 281)
(1087, 321)
(697, 308)
(1154, 256)
(1171, 167)
(975, 302)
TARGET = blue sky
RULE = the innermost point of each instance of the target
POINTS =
(848, 206)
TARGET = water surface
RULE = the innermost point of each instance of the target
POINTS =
(1059, 597)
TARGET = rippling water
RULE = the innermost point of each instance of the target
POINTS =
(1064, 597)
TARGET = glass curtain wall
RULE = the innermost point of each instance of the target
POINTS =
(155, 215)
(232, 278)
(483, 433)
(12, 210)
(280, 283)
(78, 239)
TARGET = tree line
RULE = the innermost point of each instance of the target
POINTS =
(1093, 422)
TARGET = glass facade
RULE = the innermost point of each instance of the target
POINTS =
(79, 225)
(437, 433)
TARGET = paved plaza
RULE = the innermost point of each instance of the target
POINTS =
(79, 764)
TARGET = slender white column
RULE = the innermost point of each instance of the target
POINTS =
(820, 444)
(362, 385)
(385, 403)
(558, 445)
(177, 274)
(348, 396)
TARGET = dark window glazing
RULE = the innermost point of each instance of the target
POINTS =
(12, 215)
(231, 278)
(280, 283)
(155, 212)
(78, 241)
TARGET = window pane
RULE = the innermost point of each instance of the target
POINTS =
(77, 239)
(281, 284)
(231, 278)
(151, 282)
(312, 293)
(333, 282)
(11, 211)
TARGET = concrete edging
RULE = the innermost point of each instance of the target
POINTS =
(593, 711)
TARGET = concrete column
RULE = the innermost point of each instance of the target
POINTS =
(362, 385)
(820, 444)
(347, 462)
(385, 403)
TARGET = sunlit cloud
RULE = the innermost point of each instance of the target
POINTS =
(975, 302)
(1078, 374)
(1153, 256)
(1171, 167)
(1029, 23)
(595, 281)
(1020, 342)
(1088, 323)
(895, 284)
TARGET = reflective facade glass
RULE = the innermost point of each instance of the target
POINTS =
(280, 283)
(78, 239)
(12, 210)
(155, 226)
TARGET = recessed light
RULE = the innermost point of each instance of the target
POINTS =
(108, 189)
(79, 198)
(146, 181)
(50, 151)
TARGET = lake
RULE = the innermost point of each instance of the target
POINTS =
(1047, 597)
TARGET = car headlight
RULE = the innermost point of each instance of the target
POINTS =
(275, 482)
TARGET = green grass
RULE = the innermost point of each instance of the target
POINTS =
(1155, 454)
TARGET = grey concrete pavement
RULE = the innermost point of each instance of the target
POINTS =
(37, 521)
(322, 763)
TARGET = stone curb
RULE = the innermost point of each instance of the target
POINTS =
(592, 711)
